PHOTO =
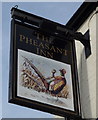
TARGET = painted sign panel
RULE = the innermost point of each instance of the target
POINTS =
(43, 71)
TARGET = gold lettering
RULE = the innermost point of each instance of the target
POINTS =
(37, 51)
(47, 46)
(52, 48)
(46, 39)
(43, 38)
(30, 41)
(39, 36)
(50, 55)
(27, 40)
(41, 45)
(42, 52)
(22, 37)
(59, 50)
(65, 52)
(35, 43)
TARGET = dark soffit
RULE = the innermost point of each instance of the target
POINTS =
(81, 15)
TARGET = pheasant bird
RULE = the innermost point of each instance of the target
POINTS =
(58, 83)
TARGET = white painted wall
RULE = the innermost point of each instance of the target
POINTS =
(96, 66)
(87, 70)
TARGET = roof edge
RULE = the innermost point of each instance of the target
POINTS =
(81, 15)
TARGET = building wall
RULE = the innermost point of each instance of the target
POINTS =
(96, 66)
(87, 69)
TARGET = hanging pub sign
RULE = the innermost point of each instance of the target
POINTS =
(43, 72)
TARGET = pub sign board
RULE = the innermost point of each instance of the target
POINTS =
(43, 73)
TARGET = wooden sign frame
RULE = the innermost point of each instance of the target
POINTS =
(22, 36)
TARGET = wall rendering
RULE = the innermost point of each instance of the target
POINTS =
(87, 69)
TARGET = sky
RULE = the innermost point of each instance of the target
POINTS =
(59, 12)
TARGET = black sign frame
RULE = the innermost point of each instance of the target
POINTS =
(13, 98)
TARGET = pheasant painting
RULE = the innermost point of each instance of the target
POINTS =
(33, 79)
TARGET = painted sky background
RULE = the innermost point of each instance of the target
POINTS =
(59, 12)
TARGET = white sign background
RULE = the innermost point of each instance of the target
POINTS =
(45, 65)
